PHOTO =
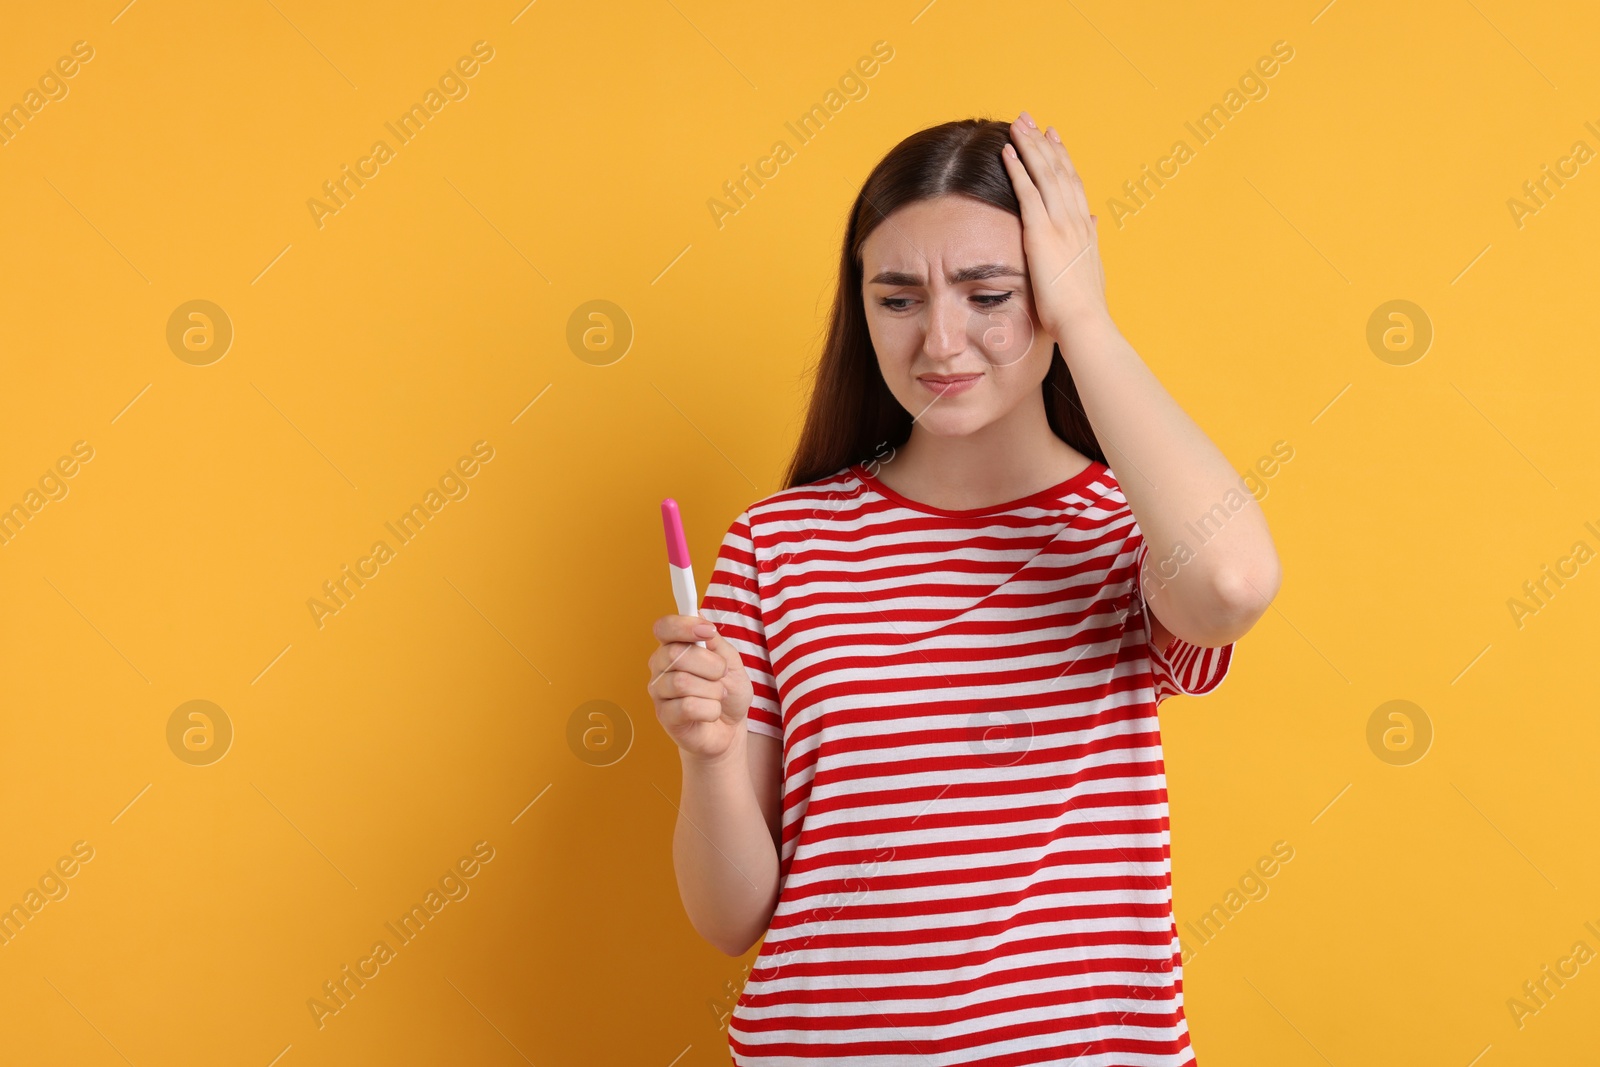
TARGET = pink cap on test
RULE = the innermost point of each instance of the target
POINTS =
(677, 545)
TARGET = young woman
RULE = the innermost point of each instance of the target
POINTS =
(920, 749)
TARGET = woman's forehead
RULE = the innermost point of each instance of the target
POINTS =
(952, 233)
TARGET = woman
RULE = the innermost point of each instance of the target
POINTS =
(920, 749)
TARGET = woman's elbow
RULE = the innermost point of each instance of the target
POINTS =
(734, 943)
(737, 947)
(1242, 598)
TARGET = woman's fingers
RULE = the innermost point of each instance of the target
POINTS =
(1058, 231)
(701, 695)
(1040, 171)
(677, 628)
(1032, 206)
(1049, 151)
(1051, 138)
(681, 697)
(1049, 170)
(1074, 180)
(686, 659)
(675, 685)
(678, 635)
(675, 713)
(1064, 182)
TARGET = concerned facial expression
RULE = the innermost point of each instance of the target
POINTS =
(950, 313)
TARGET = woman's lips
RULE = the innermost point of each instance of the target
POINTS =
(950, 385)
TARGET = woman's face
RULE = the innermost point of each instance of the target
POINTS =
(947, 297)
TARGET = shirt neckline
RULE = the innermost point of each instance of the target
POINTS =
(1054, 492)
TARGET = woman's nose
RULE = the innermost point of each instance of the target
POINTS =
(947, 328)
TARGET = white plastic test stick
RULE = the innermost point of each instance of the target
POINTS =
(678, 561)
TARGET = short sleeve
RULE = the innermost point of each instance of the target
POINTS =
(1182, 668)
(732, 603)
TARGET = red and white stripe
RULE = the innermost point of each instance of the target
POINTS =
(975, 862)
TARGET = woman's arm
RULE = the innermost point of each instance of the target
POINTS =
(1176, 482)
(1207, 593)
(725, 843)
(723, 850)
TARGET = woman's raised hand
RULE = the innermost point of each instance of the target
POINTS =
(1058, 234)
(702, 695)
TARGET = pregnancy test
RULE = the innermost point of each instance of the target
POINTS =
(678, 562)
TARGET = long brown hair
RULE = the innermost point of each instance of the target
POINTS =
(852, 415)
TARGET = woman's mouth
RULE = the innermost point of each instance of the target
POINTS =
(949, 384)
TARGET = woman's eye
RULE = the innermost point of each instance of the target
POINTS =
(988, 300)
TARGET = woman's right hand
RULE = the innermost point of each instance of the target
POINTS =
(702, 695)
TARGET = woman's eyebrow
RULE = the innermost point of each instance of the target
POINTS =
(965, 274)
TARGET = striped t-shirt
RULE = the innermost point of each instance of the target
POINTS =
(974, 865)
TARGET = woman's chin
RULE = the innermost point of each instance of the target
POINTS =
(952, 423)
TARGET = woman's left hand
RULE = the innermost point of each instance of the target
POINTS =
(1058, 234)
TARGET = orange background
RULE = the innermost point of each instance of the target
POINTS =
(447, 702)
